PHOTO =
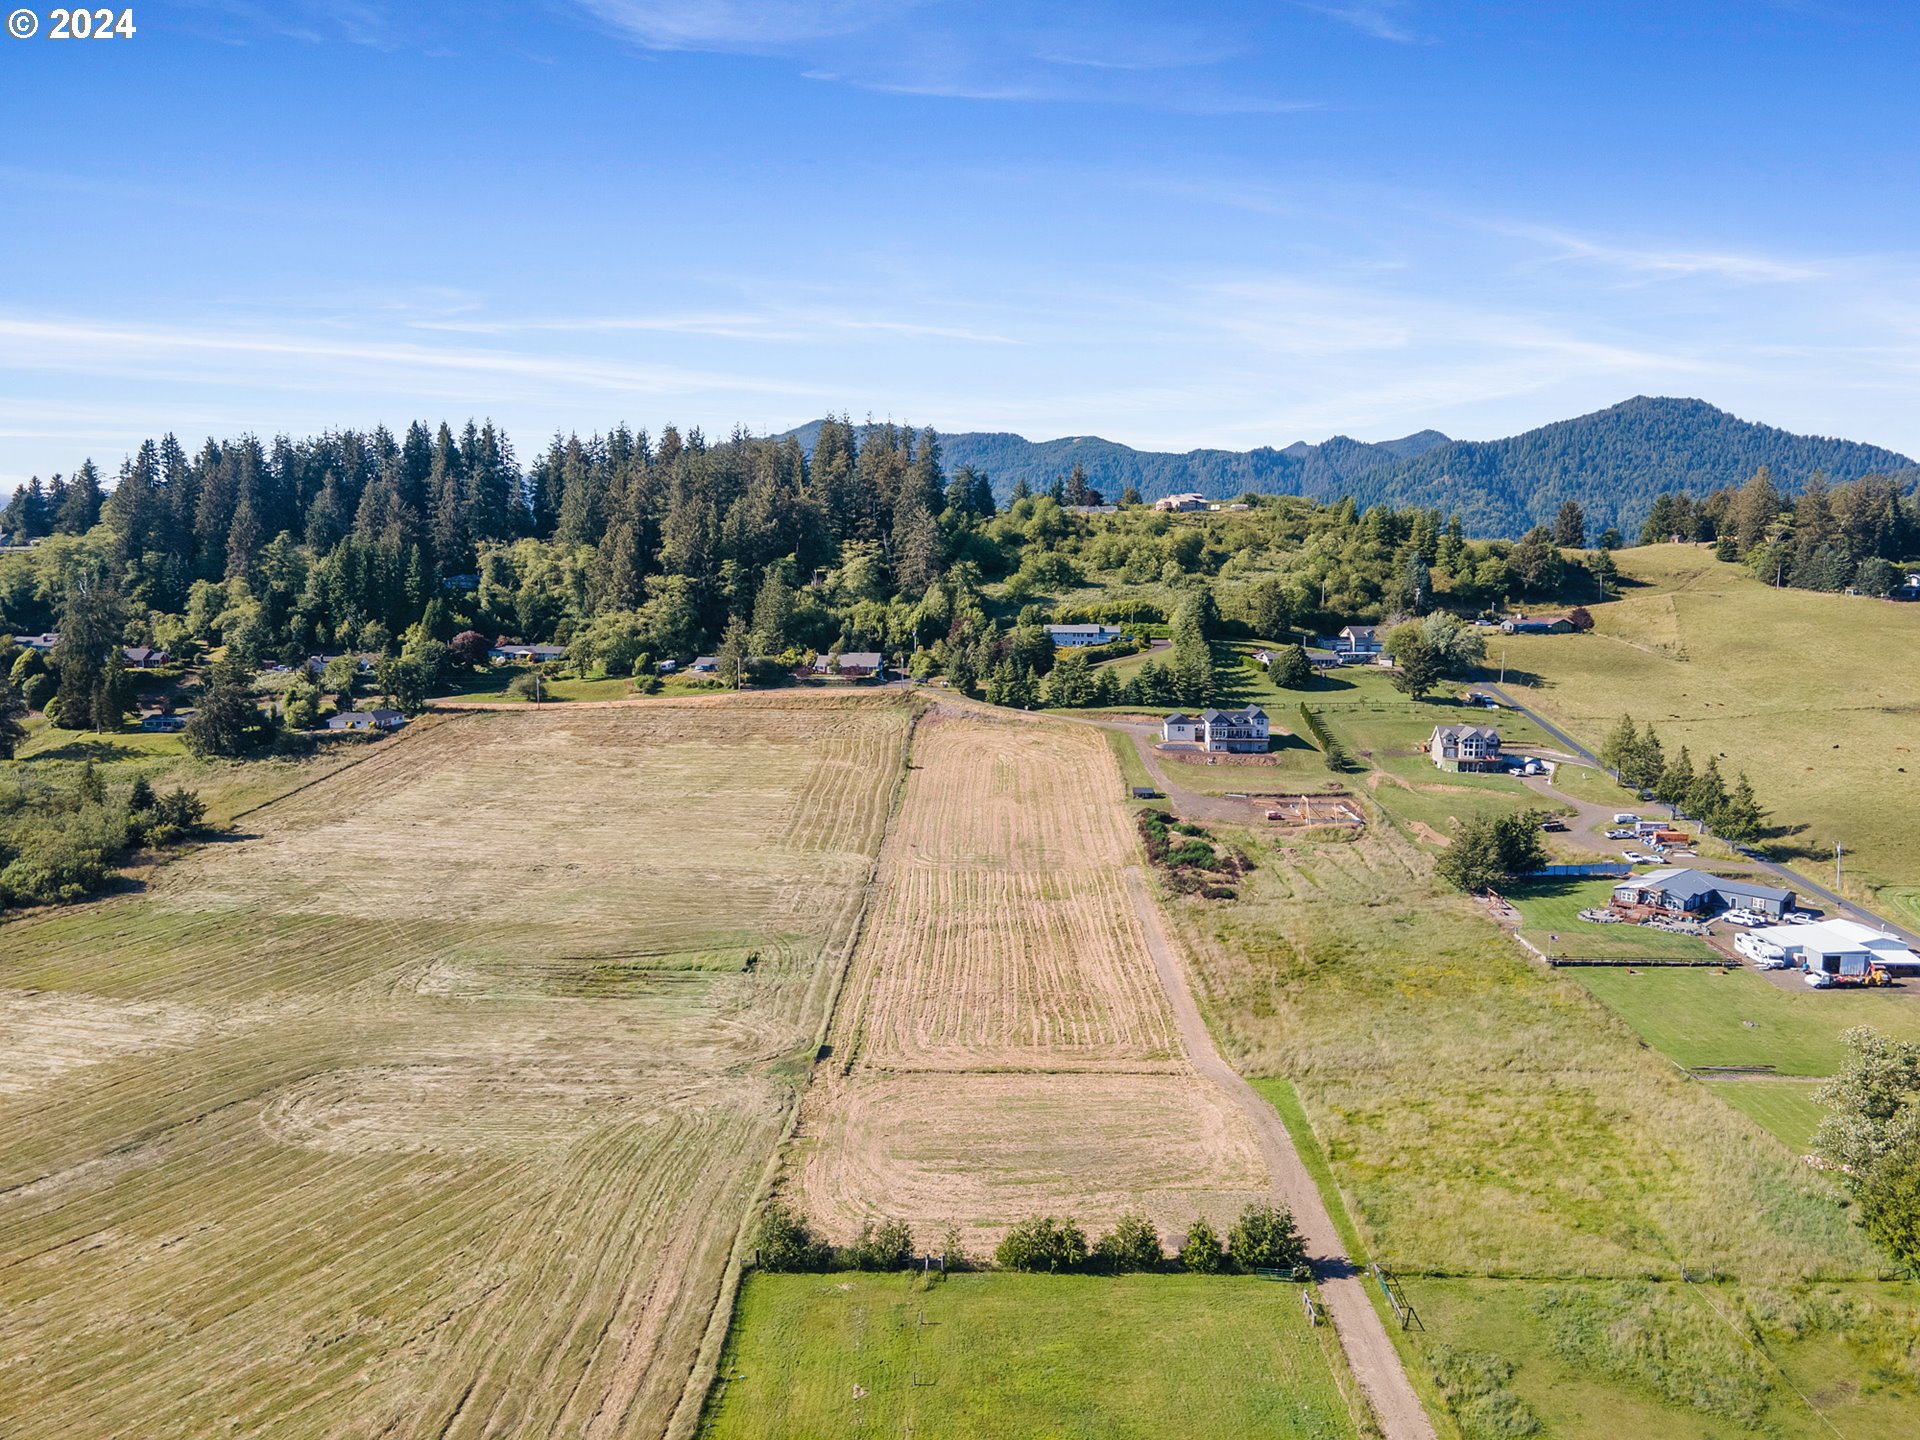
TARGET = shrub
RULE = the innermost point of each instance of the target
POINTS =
(38, 689)
(1042, 1244)
(784, 1241)
(886, 1246)
(1132, 1244)
(1200, 1252)
(1265, 1238)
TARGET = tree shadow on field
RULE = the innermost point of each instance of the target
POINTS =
(96, 748)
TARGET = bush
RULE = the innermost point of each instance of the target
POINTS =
(38, 689)
(784, 1242)
(1132, 1244)
(886, 1246)
(1200, 1252)
(1290, 668)
(1042, 1244)
(1889, 1198)
(1265, 1238)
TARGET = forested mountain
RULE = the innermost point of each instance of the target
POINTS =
(1322, 472)
(1613, 463)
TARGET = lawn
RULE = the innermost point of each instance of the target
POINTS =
(1133, 770)
(1551, 908)
(1785, 1109)
(1724, 664)
(1742, 1018)
(989, 1355)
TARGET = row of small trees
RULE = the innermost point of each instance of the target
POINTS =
(1263, 1238)
(1642, 762)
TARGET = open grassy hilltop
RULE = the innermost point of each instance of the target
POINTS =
(1815, 696)
(433, 1104)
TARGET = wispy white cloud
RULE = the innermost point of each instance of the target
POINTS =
(741, 24)
(1382, 19)
(102, 348)
(1028, 52)
(1657, 263)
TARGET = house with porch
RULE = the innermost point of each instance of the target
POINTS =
(1697, 895)
(1465, 748)
(1244, 731)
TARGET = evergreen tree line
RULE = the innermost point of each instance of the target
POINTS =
(1638, 758)
(1829, 537)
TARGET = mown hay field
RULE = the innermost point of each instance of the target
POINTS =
(432, 1105)
(1005, 1049)
(1816, 697)
(1134, 1357)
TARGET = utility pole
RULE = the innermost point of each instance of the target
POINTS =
(1836, 867)
(1503, 665)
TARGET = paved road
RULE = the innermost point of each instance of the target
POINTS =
(1369, 1350)
(1788, 878)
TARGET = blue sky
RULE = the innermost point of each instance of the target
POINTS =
(1174, 225)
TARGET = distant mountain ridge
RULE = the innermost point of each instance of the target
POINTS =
(1613, 462)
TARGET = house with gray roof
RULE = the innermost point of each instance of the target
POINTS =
(1698, 894)
(1243, 731)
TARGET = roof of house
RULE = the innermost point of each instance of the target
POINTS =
(1243, 716)
(1464, 732)
(1081, 630)
(858, 659)
(383, 717)
(1179, 717)
(706, 662)
(1687, 884)
(1361, 632)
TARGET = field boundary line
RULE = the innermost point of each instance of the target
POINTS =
(1373, 1358)
(695, 1395)
(427, 725)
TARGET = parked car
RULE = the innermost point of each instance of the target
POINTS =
(1620, 834)
(1800, 917)
(1626, 819)
(1639, 857)
(1552, 824)
(1743, 917)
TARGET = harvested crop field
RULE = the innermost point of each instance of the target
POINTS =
(433, 1105)
(1007, 1047)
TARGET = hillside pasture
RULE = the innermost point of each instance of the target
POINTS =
(1006, 1049)
(1813, 695)
(432, 1103)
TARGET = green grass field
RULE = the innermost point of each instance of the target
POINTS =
(1783, 1108)
(1741, 1018)
(1551, 908)
(1605, 1360)
(1485, 1119)
(1724, 664)
(1001, 1355)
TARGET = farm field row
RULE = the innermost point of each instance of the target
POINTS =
(435, 1101)
(1004, 1047)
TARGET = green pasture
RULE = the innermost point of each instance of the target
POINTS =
(1701, 1018)
(1724, 664)
(1598, 1360)
(1784, 1108)
(1135, 1357)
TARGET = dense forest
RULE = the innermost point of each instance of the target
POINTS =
(627, 545)
(1612, 463)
